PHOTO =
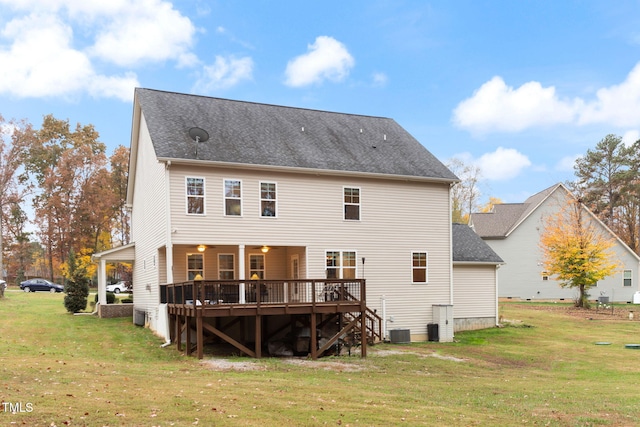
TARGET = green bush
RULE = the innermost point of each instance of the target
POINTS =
(126, 300)
(111, 298)
(77, 288)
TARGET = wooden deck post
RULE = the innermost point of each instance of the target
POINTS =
(199, 337)
(187, 323)
(178, 332)
(313, 345)
(258, 340)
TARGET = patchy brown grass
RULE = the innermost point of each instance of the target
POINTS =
(542, 368)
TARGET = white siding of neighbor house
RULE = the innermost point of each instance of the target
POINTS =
(474, 295)
(521, 276)
(397, 217)
(148, 227)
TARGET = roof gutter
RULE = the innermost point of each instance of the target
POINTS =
(308, 171)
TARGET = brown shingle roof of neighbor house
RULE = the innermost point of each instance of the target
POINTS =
(247, 133)
(467, 246)
(506, 216)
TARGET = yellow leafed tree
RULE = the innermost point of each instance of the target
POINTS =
(575, 251)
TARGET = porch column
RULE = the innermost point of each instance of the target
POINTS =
(102, 282)
(241, 297)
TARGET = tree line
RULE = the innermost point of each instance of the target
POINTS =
(63, 178)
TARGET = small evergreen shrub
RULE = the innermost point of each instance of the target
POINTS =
(111, 298)
(77, 288)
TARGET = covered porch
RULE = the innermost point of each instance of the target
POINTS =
(310, 317)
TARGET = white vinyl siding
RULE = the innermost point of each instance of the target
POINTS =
(149, 224)
(474, 292)
(311, 221)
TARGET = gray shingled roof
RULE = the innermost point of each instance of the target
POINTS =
(261, 134)
(506, 216)
(469, 247)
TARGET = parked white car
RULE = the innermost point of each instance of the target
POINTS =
(116, 288)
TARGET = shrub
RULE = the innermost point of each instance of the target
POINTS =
(126, 300)
(77, 288)
(111, 298)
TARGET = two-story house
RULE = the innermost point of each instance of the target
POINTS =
(267, 204)
(513, 231)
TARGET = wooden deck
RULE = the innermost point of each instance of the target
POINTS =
(252, 315)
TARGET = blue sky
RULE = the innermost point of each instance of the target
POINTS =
(518, 88)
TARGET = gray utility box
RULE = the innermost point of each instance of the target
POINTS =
(443, 317)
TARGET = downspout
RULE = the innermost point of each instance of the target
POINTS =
(169, 231)
(168, 248)
(450, 247)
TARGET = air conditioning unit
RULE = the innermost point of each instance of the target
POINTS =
(400, 336)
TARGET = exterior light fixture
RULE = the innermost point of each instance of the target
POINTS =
(201, 248)
(265, 249)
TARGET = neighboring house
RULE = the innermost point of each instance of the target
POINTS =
(230, 190)
(475, 281)
(513, 231)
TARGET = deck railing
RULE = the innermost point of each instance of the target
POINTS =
(263, 292)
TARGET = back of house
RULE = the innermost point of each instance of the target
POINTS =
(280, 193)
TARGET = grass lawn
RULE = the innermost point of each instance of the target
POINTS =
(544, 368)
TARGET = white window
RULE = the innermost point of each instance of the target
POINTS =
(195, 195)
(226, 267)
(341, 264)
(351, 203)
(268, 199)
(256, 267)
(626, 279)
(232, 197)
(419, 263)
(195, 266)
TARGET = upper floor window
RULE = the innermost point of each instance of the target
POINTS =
(626, 279)
(351, 203)
(419, 267)
(268, 199)
(195, 196)
(232, 197)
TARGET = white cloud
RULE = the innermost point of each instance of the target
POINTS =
(379, 79)
(496, 107)
(224, 73)
(630, 137)
(502, 164)
(65, 47)
(326, 59)
(566, 163)
(41, 61)
(617, 105)
(145, 30)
